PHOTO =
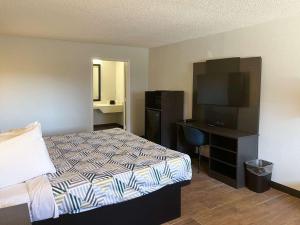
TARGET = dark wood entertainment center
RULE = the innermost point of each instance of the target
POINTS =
(237, 140)
(229, 149)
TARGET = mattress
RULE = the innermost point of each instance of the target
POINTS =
(107, 167)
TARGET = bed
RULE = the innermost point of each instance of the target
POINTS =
(111, 177)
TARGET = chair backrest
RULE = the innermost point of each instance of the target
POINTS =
(193, 136)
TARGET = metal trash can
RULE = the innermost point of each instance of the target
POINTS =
(258, 175)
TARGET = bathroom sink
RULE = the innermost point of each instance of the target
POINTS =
(107, 108)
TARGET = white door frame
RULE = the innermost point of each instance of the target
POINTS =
(127, 97)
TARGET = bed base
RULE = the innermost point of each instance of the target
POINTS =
(152, 209)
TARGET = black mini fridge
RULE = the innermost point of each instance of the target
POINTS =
(162, 110)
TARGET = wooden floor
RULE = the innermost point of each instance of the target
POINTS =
(209, 202)
(107, 126)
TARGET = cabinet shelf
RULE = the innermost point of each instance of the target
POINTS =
(221, 161)
(224, 142)
(224, 156)
(225, 179)
(224, 149)
(222, 168)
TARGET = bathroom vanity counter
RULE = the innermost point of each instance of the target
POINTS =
(108, 108)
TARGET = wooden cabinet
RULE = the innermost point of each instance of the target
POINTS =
(229, 149)
(162, 110)
(227, 157)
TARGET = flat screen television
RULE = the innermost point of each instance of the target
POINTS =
(223, 89)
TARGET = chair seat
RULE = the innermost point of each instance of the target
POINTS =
(196, 138)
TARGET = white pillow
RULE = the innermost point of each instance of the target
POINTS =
(15, 132)
(23, 156)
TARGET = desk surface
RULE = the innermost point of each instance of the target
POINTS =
(15, 215)
(216, 130)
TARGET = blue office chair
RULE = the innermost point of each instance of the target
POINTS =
(196, 138)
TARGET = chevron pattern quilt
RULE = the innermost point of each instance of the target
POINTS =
(110, 166)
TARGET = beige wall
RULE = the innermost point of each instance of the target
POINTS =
(120, 79)
(108, 80)
(278, 44)
(50, 81)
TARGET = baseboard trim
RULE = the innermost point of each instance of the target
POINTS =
(285, 189)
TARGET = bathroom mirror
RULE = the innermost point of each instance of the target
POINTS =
(96, 82)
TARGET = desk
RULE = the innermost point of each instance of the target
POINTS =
(229, 149)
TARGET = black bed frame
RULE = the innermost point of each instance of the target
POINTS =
(152, 209)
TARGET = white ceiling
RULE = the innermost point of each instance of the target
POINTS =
(146, 23)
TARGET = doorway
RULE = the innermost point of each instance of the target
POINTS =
(109, 94)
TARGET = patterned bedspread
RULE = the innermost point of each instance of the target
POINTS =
(106, 167)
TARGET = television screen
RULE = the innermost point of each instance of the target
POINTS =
(223, 89)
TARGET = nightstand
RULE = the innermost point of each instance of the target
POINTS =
(15, 215)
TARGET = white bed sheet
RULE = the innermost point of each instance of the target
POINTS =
(37, 193)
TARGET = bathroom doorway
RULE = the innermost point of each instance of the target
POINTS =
(109, 94)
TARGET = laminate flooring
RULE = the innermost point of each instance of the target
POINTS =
(207, 201)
